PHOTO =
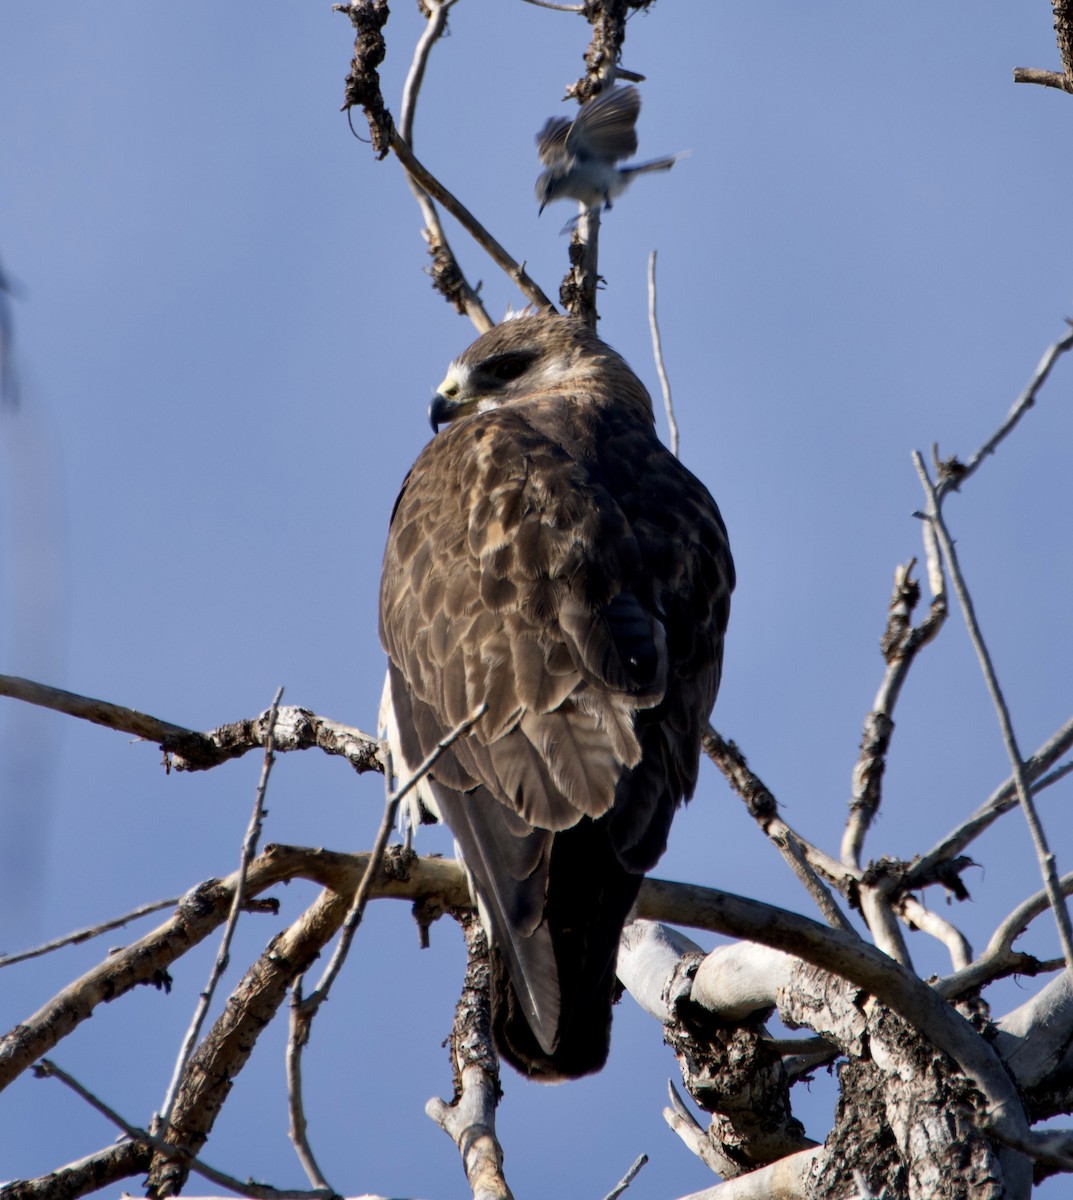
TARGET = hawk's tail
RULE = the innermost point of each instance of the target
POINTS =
(589, 897)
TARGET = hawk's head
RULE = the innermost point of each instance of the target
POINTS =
(532, 356)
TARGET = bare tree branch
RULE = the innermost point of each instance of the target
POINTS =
(900, 643)
(447, 276)
(297, 1126)
(764, 809)
(90, 931)
(89, 1174)
(361, 895)
(1051, 79)
(425, 179)
(955, 473)
(1024, 791)
(201, 911)
(852, 959)
(787, 1179)
(1002, 800)
(1063, 29)
(469, 1120)
(46, 1069)
(628, 1178)
(223, 954)
(657, 354)
(999, 959)
(577, 293)
(914, 913)
(227, 1046)
(294, 729)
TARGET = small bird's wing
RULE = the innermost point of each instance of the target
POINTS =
(551, 141)
(604, 128)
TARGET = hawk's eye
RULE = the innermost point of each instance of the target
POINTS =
(507, 367)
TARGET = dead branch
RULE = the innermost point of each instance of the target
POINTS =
(866, 966)
(1024, 791)
(1002, 800)
(469, 1119)
(764, 809)
(246, 855)
(89, 932)
(628, 1178)
(202, 910)
(900, 643)
(512, 269)
(657, 354)
(188, 750)
(1063, 29)
(999, 959)
(447, 276)
(46, 1069)
(788, 1179)
(207, 1078)
(955, 472)
(89, 1174)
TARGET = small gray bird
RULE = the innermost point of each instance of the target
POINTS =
(579, 156)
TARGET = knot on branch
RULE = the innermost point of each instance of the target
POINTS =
(903, 601)
(732, 763)
(735, 1074)
(608, 21)
(362, 88)
(446, 275)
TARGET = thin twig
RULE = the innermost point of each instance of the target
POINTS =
(90, 931)
(657, 353)
(1047, 864)
(956, 473)
(357, 907)
(223, 954)
(297, 1128)
(1002, 800)
(46, 1069)
(628, 1178)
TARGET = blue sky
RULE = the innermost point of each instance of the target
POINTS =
(226, 347)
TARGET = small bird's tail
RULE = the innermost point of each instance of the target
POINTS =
(655, 164)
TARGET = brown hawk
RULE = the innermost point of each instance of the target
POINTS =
(550, 559)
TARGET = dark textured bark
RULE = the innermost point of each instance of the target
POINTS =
(736, 1075)
(907, 1118)
(227, 1047)
(89, 1174)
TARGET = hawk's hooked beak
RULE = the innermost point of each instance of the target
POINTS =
(441, 410)
(446, 404)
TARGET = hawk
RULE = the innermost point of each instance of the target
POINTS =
(549, 559)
